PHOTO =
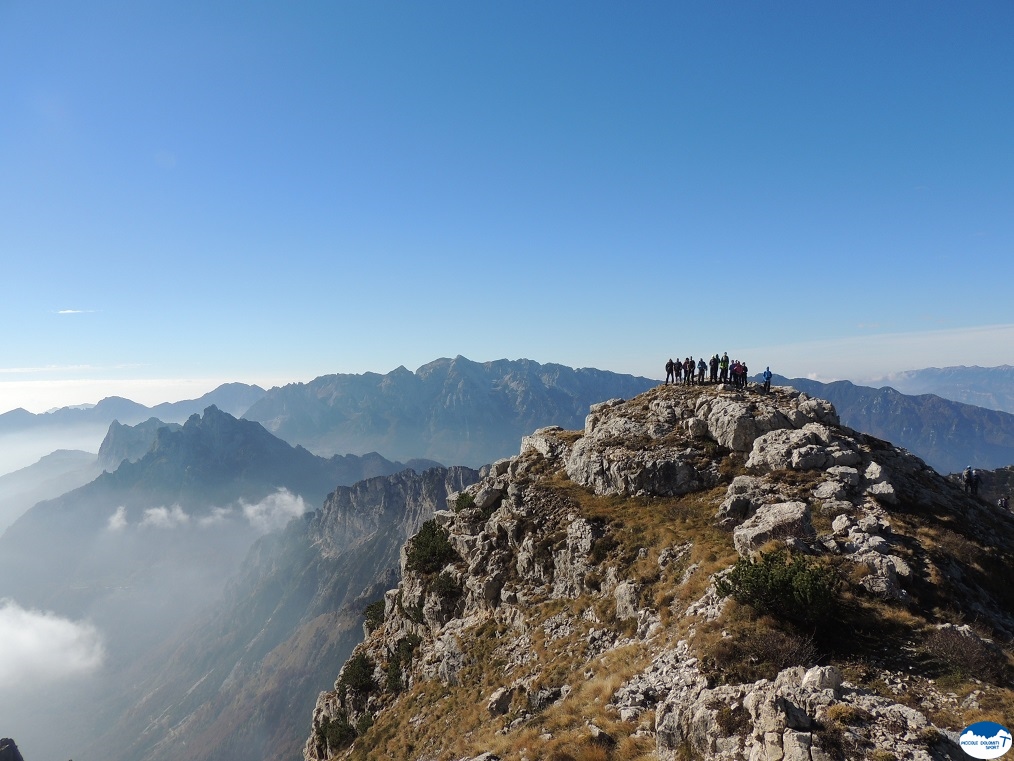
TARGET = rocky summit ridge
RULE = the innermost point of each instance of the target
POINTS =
(700, 573)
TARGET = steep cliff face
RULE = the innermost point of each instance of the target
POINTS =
(700, 573)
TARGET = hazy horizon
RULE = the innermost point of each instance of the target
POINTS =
(859, 360)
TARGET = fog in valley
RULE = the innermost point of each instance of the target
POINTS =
(90, 592)
(21, 449)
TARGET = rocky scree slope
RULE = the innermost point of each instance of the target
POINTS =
(700, 573)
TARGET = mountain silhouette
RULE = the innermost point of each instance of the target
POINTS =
(450, 410)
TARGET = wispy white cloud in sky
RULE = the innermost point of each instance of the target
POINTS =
(43, 647)
(76, 311)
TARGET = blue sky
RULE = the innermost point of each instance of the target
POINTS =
(266, 192)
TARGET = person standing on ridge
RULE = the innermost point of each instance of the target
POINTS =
(701, 369)
(723, 363)
(714, 369)
(767, 379)
(669, 372)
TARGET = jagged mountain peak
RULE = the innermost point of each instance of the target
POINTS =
(698, 573)
(130, 442)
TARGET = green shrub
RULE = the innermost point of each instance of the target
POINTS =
(445, 587)
(402, 656)
(430, 550)
(358, 674)
(335, 734)
(374, 614)
(395, 676)
(464, 501)
(364, 723)
(406, 647)
(797, 589)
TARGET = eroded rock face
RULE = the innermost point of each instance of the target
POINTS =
(612, 470)
(778, 521)
(745, 495)
(815, 446)
(784, 719)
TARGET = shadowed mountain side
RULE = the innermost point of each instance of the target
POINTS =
(993, 484)
(451, 410)
(175, 523)
(239, 684)
(947, 435)
(210, 462)
(53, 475)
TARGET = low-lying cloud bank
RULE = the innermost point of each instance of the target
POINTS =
(37, 646)
(270, 514)
(273, 513)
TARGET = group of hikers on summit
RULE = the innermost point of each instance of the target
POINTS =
(718, 370)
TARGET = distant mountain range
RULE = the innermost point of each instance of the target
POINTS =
(947, 435)
(455, 411)
(171, 526)
(989, 387)
(25, 436)
(53, 475)
(233, 398)
(141, 548)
